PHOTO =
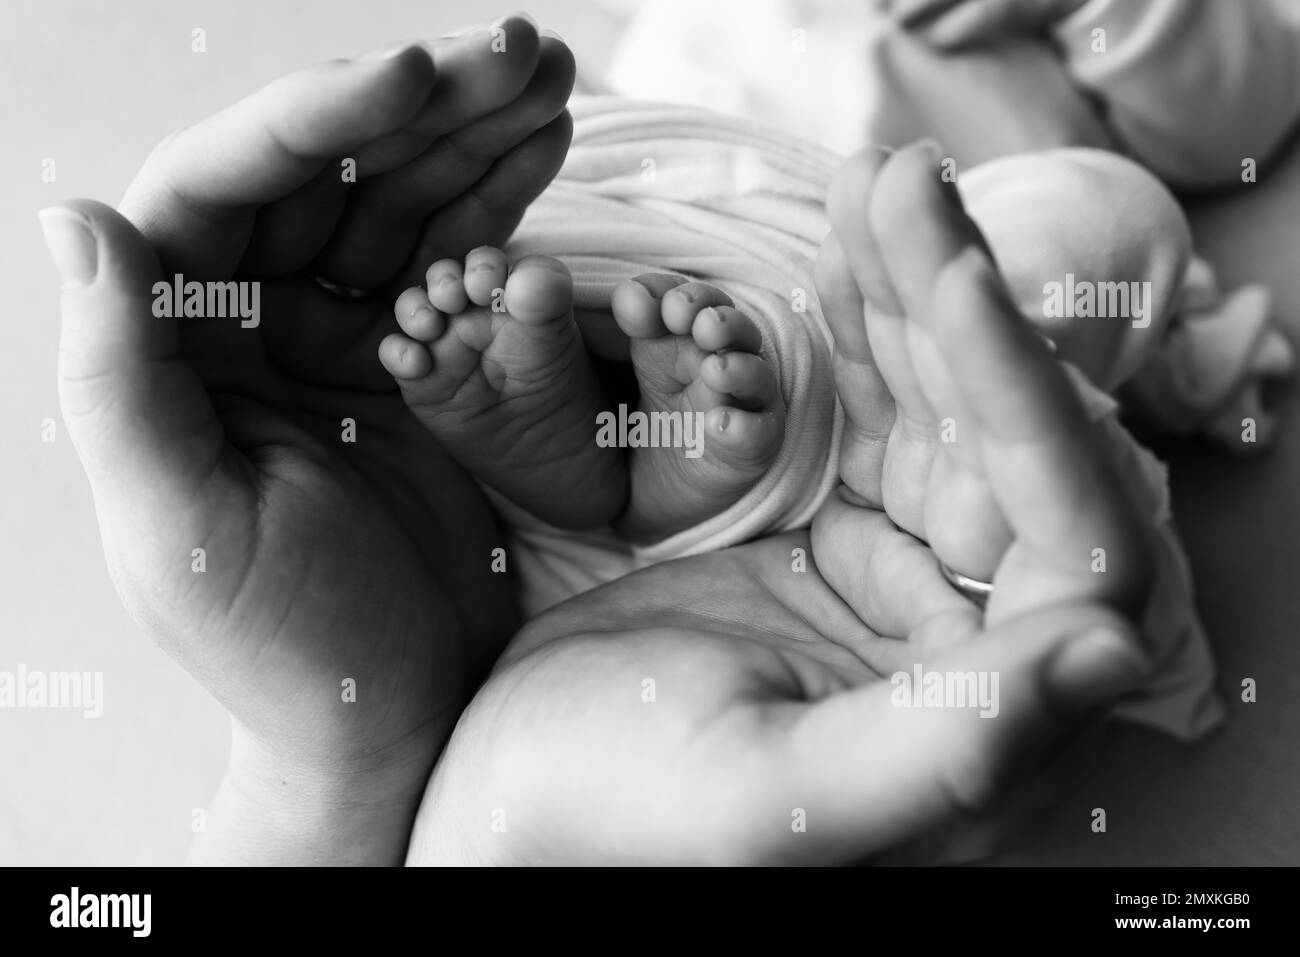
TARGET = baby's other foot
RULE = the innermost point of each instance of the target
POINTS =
(696, 354)
(491, 361)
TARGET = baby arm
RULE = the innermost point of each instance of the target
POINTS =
(1191, 88)
(950, 24)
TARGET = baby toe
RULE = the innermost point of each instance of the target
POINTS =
(636, 304)
(746, 378)
(417, 318)
(742, 438)
(725, 327)
(446, 283)
(538, 290)
(485, 273)
(683, 303)
(404, 357)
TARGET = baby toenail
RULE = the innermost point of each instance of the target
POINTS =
(721, 359)
(650, 292)
(723, 421)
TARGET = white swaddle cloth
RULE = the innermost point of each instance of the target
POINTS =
(653, 188)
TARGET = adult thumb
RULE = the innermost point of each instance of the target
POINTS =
(887, 762)
(137, 414)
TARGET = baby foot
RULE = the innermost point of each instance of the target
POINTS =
(913, 84)
(694, 353)
(491, 361)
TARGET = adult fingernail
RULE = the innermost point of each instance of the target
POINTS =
(1092, 670)
(649, 292)
(72, 245)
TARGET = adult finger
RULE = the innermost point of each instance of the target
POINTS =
(386, 212)
(889, 579)
(488, 212)
(197, 196)
(1045, 463)
(138, 415)
(877, 766)
(1048, 472)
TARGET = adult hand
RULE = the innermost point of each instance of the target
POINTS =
(744, 706)
(339, 545)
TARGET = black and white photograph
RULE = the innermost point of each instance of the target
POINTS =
(651, 433)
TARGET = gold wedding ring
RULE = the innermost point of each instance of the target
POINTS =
(974, 589)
